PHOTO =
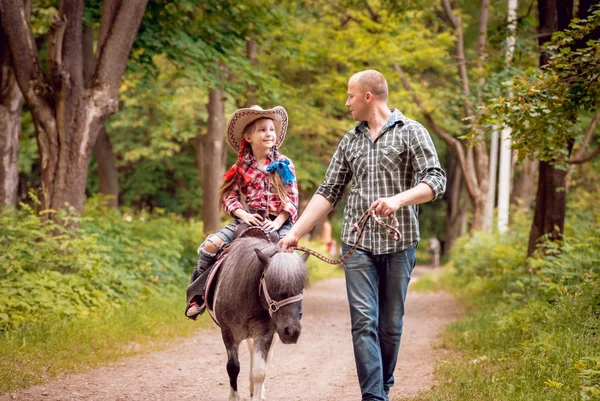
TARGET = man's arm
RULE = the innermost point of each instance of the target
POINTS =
(432, 178)
(415, 196)
(317, 208)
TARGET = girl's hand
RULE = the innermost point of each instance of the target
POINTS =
(271, 225)
(251, 219)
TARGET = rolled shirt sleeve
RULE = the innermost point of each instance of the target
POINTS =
(425, 162)
(337, 177)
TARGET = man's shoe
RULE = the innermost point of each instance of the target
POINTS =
(194, 310)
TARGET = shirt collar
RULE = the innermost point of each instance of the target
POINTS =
(249, 158)
(395, 118)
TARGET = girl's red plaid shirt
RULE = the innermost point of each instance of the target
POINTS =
(257, 193)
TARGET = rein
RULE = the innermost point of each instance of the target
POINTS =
(361, 224)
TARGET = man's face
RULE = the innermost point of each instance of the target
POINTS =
(357, 102)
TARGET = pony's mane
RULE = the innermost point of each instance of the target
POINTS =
(286, 274)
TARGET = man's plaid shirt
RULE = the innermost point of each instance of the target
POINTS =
(402, 156)
(258, 193)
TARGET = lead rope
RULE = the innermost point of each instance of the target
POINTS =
(361, 224)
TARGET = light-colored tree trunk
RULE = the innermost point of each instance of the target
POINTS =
(505, 177)
(491, 196)
(68, 110)
(11, 103)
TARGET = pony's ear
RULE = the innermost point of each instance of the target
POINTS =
(262, 257)
(305, 256)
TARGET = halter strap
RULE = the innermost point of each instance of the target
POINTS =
(274, 306)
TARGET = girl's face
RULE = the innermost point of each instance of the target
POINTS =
(262, 138)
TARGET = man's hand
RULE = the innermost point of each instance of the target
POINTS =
(387, 206)
(289, 242)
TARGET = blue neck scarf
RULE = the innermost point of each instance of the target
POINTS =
(283, 169)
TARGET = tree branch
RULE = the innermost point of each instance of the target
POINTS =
(372, 13)
(470, 179)
(27, 68)
(481, 44)
(109, 13)
(72, 51)
(587, 139)
(460, 56)
(55, 49)
(112, 57)
(482, 36)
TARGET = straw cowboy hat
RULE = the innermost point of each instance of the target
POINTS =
(242, 117)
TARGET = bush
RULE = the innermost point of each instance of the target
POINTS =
(105, 259)
(532, 330)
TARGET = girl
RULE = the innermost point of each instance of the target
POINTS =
(262, 177)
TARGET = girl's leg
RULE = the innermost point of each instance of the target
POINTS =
(206, 257)
(211, 246)
(284, 229)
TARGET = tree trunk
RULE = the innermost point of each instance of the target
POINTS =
(107, 170)
(108, 179)
(550, 206)
(67, 109)
(455, 208)
(11, 102)
(212, 163)
(523, 192)
(551, 199)
(251, 51)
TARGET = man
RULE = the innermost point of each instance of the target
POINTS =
(395, 167)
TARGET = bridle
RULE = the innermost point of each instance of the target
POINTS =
(274, 306)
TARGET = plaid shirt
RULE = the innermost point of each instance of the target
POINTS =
(402, 156)
(258, 194)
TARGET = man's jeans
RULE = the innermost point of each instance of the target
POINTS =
(376, 287)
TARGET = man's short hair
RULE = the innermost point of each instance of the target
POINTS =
(374, 82)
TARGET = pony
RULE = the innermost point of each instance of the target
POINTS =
(255, 293)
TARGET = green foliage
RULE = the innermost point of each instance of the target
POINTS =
(532, 329)
(543, 105)
(104, 260)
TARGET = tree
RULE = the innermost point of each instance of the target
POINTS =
(68, 110)
(548, 102)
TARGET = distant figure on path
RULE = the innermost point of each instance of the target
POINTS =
(393, 166)
(434, 247)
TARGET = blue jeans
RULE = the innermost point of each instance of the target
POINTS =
(376, 287)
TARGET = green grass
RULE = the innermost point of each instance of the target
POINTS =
(517, 351)
(37, 352)
(432, 281)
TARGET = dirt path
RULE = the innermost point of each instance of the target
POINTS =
(319, 367)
